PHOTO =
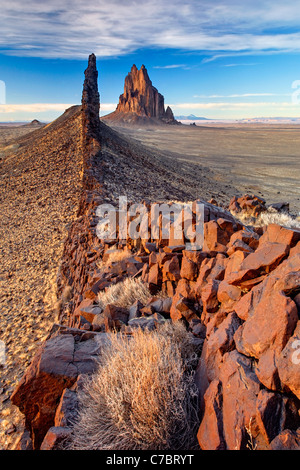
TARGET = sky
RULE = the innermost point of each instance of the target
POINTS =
(217, 59)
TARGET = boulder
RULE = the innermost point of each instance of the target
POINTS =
(210, 434)
(261, 262)
(115, 317)
(255, 336)
(287, 440)
(269, 411)
(56, 438)
(240, 390)
(250, 205)
(215, 239)
(288, 363)
(278, 234)
(54, 368)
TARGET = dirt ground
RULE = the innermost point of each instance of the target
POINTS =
(260, 159)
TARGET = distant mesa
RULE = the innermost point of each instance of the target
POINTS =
(141, 102)
(35, 123)
(191, 117)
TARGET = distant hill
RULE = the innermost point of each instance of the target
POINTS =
(34, 123)
(191, 117)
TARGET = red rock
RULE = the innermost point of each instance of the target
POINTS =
(195, 256)
(38, 392)
(209, 298)
(219, 341)
(262, 261)
(150, 247)
(185, 307)
(153, 258)
(134, 310)
(155, 275)
(238, 245)
(277, 234)
(114, 317)
(215, 239)
(163, 257)
(227, 226)
(228, 295)
(175, 242)
(95, 289)
(171, 269)
(269, 414)
(252, 205)
(145, 273)
(56, 438)
(88, 310)
(289, 363)
(184, 289)
(267, 371)
(211, 269)
(67, 409)
(141, 100)
(174, 248)
(240, 390)
(24, 442)
(189, 269)
(210, 433)
(249, 238)
(295, 250)
(286, 440)
(255, 335)
(234, 263)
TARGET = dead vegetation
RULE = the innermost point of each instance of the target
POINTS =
(143, 396)
(125, 293)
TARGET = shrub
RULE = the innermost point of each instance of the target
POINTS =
(125, 293)
(143, 395)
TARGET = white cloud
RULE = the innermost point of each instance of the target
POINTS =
(33, 107)
(74, 28)
(45, 107)
(243, 95)
(230, 105)
(173, 66)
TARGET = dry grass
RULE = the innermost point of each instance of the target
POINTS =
(143, 395)
(125, 293)
(114, 257)
(270, 216)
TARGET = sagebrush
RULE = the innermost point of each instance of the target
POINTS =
(125, 293)
(143, 395)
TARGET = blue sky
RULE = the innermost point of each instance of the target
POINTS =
(219, 59)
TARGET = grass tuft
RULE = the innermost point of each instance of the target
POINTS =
(143, 395)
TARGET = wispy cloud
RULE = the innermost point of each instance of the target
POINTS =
(243, 95)
(245, 64)
(230, 105)
(45, 107)
(34, 107)
(74, 28)
(173, 66)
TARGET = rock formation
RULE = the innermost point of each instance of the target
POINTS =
(90, 101)
(141, 101)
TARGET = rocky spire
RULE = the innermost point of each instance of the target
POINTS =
(91, 99)
(142, 98)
